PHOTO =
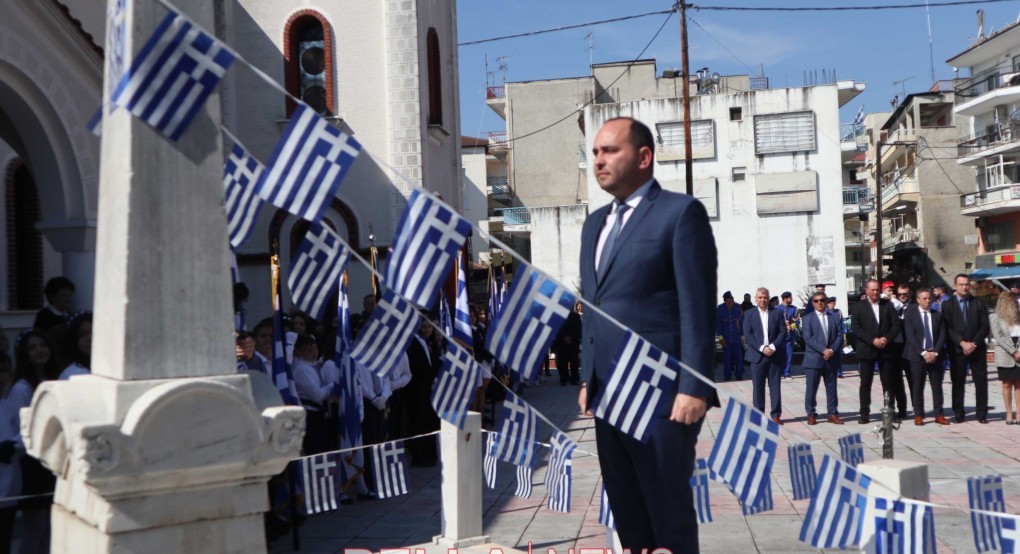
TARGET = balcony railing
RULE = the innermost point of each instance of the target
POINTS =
(497, 138)
(903, 235)
(1006, 133)
(990, 196)
(854, 195)
(516, 216)
(987, 81)
(851, 132)
(495, 92)
(499, 187)
(903, 134)
(903, 184)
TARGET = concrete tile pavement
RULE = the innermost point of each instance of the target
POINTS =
(953, 453)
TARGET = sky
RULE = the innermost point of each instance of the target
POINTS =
(877, 47)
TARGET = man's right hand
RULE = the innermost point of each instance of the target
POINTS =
(930, 357)
(582, 400)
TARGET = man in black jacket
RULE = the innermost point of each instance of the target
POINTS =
(875, 324)
(967, 323)
(924, 332)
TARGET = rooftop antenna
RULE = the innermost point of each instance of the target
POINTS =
(903, 84)
(590, 37)
(931, 50)
(981, 24)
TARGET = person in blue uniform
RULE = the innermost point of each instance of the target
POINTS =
(838, 315)
(727, 326)
(789, 312)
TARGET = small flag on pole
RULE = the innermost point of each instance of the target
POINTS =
(515, 442)
(894, 526)
(240, 174)
(744, 451)
(315, 270)
(523, 482)
(308, 165)
(558, 474)
(490, 462)
(837, 505)
(428, 237)
(985, 493)
(528, 322)
(351, 408)
(283, 377)
(605, 512)
(699, 482)
(321, 476)
(851, 449)
(386, 334)
(462, 331)
(445, 321)
(172, 75)
(390, 464)
(802, 470)
(459, 377)
(641, 381)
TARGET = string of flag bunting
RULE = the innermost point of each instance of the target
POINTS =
(166, 85)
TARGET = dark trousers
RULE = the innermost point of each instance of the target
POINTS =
(816, 376)
(978, 372)
(767, 370)
(6, 528)
(648, 485)
(892, 380)
(373, 431)
(934, 373)
(567, 366)
(314, 441)
(733, 359)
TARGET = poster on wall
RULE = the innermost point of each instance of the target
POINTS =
(821, 261)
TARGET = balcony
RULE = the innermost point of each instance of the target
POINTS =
(852, 140)
(995, 200)
(854, 197)
(516, 220)
(1004, 138)
(499, 188)
(900, 189)
(498, 144)
(904, 238)
(897, 144)
(495, 98)
(981, 93)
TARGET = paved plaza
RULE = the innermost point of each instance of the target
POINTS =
(953, 453)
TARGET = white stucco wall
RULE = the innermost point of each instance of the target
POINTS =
(556, 241)
(474, 190)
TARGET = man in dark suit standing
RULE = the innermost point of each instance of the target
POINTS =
(924, 334)
(875, 324)
(967, 325)
(648, 260)
(765, 334)
(823, 339)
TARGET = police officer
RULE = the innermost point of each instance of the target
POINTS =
(727, 326)
(789, 312)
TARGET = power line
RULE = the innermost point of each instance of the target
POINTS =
(565, 28)
(844, 8)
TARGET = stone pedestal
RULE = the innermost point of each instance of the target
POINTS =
(462, 488)
(907, 479)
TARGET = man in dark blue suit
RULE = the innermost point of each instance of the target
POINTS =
(765, 335)
(648, 260)
(823, 339)
(924, 333)
(727, 326)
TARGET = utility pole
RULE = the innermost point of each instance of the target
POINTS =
(688, 162)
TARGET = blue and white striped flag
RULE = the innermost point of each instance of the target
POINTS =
(386, 335)
(321, 477)
(641, 380)
(744, 451)
(1009, 536)
(834, 516)
(428, 238)
(445, 321)
(283, 377)
(699, 482)
(897, 526)
(351, 408)
(308, 165)
(315, 269)
(172, 75)
(559, 472)
(390, 464)
(95, 124)
(462, 312)
(985, 493)
(605, 512)
(851, 449)
(490, 464)
(459, 377)
(526, 326)
(763, 504)
(802, 470)
(240, 174)
(515, 442)
(523, 482)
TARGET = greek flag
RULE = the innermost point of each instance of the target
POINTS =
(428, 237)
(641, 381)
(386, 334)
(283, 377)
(321, 476)
(515, 442)
(240, 174)
(390, 464)
(985, 493)
(308, 165)
(462, 313)
(851, 449)
(445, 321)
(558, 474)
(802, 470)
(894, 526)
(699, 482)
(859, 118)
(172, 75)
(763, 504)
(837, 506)
(459, 377)
(523, 482)
(489, 464)
(528, 322)
(1010, 534)
(315, 269)
(744, 451)
(605, 512)
(351, 409)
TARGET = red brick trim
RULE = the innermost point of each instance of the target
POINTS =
(290, 59)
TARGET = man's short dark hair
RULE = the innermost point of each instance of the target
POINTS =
(640, 135)
(57, 284)
(958, 275)
(267, 322)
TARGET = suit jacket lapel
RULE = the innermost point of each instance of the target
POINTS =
(633, 222)
(594, 245)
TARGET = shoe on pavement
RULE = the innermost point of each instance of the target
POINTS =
(941, 420)
(865, 418)
(812, 420)
(777, 420)
(918, 420)
(835, 419)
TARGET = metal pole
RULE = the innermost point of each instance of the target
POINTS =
(688, 162)
(878, 213)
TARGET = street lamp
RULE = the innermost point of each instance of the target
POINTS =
(878, 203)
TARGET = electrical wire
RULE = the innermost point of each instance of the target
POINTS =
(842, 8)
(564, 28)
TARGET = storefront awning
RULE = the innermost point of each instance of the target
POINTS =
(996, 273)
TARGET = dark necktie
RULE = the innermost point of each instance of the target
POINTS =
(963, 308)
(928, 340)
(607, 248)
(825, 329)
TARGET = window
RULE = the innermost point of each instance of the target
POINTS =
(739, 174)
(435, 78)
(784, 132)
(309, 61)
(736, 114)
(1000, 236)
(670, 139)
(24, 242)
